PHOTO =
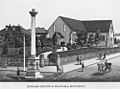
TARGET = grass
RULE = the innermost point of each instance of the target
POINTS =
(86, 53)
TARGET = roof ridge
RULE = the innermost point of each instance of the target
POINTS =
(85, 20)
(73, 24)
(87, 25)
(69, 18)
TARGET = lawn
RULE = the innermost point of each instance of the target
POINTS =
(84, 53)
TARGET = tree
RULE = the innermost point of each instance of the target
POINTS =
(54, 38)
(74, 46)
(5, 49)
(40, 41)
(82, 38)
(90, 40)
(48, 42)
(9, 38)
(97, 37)
(69, 46)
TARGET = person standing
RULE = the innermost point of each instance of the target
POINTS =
(106, 65)
(78, 60)
(104, 55)
(82, 67)
(60, 69)
(18, 73)
(58, 60)
(100, 56)
(58, 63)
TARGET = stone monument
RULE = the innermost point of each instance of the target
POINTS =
(33, 61)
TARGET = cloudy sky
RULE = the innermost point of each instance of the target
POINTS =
(16, 11)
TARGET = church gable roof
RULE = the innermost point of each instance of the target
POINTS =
(89, 26)
(74, 25)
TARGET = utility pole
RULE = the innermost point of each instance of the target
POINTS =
(24, 52)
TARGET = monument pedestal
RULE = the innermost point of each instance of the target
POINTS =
(33, 61)
(33, 71)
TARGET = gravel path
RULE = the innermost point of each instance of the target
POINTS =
(89, 74)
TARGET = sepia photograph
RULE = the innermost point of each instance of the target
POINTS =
(60, 44)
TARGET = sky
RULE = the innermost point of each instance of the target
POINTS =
(16, 12)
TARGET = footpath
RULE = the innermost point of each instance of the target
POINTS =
(74, 66)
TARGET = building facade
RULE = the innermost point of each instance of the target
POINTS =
(67, 29)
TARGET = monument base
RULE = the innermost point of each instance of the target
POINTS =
(33, 71)
(33, 74)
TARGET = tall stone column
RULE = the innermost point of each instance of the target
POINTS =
(33, 61)
(33, 14)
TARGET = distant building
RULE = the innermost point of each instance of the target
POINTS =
(67, 28)
(40, 32)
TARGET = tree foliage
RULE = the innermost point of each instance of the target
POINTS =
(14, 38)
(91, 40)
(97, 38)
(54, 39)
(81, 38)
(42, 41)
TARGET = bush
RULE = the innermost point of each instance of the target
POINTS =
(74, 46)
(68, 46)
(13, 51)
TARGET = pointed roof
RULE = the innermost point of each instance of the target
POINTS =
(73, 24)
(41, 30)
(89, 26)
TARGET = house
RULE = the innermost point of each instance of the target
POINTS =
(41, 31)
(41, 34)
(66, 29)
